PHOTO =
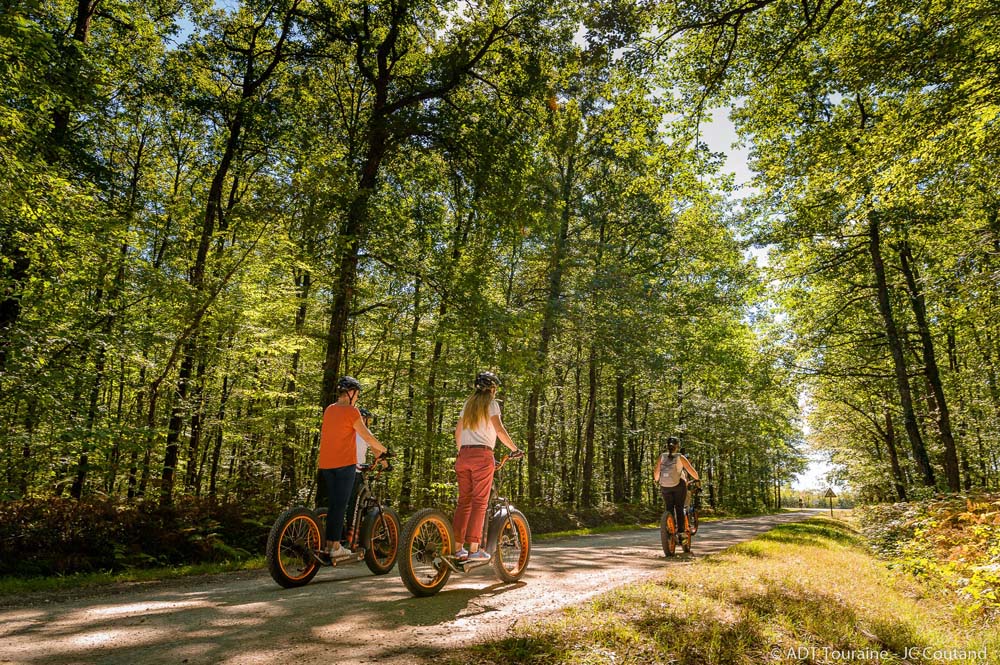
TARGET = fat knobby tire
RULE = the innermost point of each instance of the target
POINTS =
(524, 535)
(294, 536)
(433, 519)
(378, 560)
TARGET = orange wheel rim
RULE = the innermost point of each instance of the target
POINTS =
(430, 539)
(520, 537)
(299, 537)
(385, 539)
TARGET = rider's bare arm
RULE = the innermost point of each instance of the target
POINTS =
(502, 433)
(458, 434)
(362, 429)
(690, 468)
(656, 472)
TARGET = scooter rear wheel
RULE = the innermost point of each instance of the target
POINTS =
(296, 534)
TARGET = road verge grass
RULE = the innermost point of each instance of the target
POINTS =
(15, 587)
(804, 592)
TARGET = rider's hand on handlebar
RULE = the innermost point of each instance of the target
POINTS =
(517, 454)
(383, 460)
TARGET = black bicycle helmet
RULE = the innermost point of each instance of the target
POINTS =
(348, 383)
(486, 380)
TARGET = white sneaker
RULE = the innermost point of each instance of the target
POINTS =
(340, 553)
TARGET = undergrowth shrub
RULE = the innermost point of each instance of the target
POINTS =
(59, 536)
(953, 540)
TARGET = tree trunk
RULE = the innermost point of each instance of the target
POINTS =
(898, 358)
(569, 496)
(352, 237)
(919, 306)
(217, 448)
(618, 451)
(197, 420)
(303, 284)
(426, 475)
(410, 449)
(174, 426)
(634, 451)
(560, 415)
(890, 441)
(213, 212)
(587, 490)
(549, 320)
(10, 302)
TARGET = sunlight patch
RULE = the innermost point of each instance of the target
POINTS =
(144, 608)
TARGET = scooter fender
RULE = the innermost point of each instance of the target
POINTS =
(497, 521)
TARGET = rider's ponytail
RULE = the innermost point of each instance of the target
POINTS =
(477, 408)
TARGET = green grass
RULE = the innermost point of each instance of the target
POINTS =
(808, 588)
(586, 531)
(13, 586)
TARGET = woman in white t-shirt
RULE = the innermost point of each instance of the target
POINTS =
(476, 435)
(669, 475)
(362, 455)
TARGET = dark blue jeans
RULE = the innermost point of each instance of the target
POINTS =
(674, 498)
(339, 483)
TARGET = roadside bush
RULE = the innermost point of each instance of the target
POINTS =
(953, 540)
(60, 536)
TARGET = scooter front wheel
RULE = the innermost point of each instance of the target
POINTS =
(427, 538)
(668, 534)
(513, 548)
(380, 535)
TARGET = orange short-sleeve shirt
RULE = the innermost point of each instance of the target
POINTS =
(337, 437)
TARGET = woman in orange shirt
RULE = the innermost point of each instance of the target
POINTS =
(338, 456)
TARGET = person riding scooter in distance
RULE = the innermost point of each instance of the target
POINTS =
(669, 475)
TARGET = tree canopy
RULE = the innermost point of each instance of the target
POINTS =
(211, 211)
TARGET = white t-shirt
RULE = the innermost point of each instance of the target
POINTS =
(484, 434)
(362, 449)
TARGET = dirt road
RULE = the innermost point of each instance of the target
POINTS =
(345, 615)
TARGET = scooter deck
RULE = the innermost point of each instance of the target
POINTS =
(324, 559)
(462, 566)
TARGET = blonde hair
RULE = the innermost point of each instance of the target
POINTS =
(477, 408)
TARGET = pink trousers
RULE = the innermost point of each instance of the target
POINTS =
(474, 467)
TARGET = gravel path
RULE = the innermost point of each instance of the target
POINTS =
(345, 615)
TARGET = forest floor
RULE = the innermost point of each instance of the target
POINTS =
(345, 615)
